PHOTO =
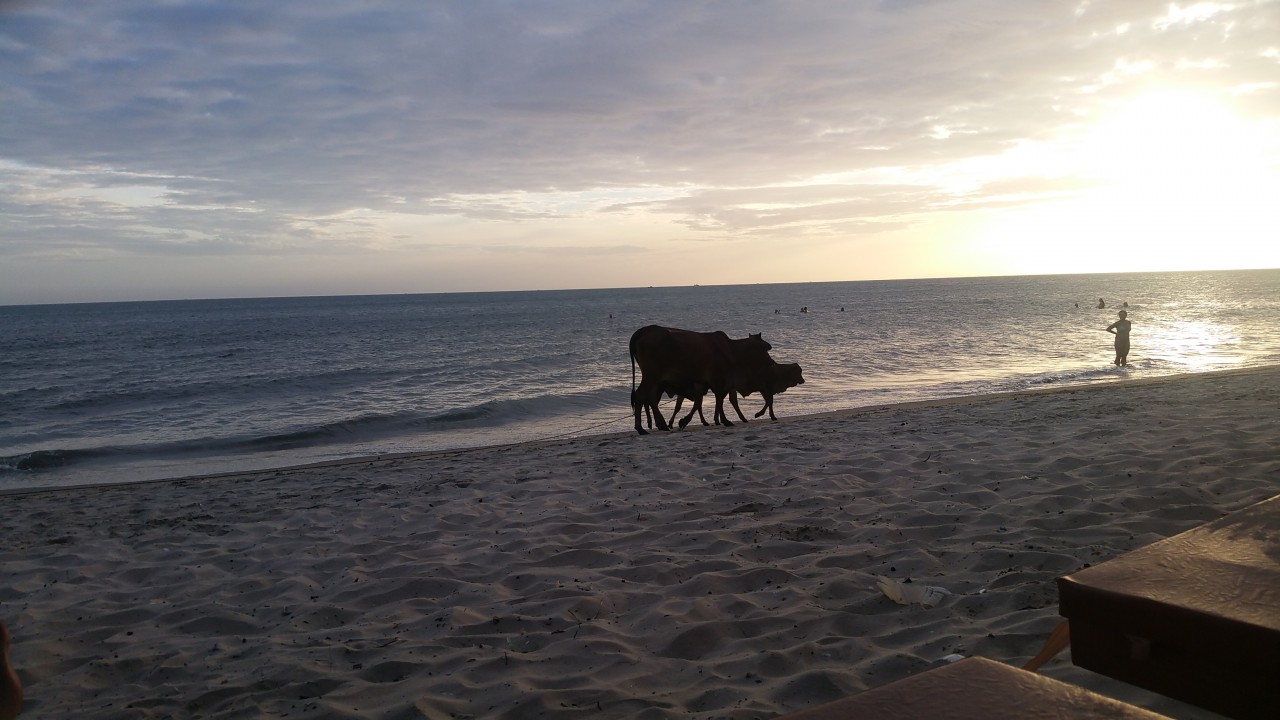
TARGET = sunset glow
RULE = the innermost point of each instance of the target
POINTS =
(1167, 180)
(451, 147)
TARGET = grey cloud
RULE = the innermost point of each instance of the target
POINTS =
(785, 211)
(302, 109)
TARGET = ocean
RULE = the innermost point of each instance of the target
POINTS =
(119, 392)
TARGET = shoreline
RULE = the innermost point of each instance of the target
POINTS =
(693, 574)
(846, 413)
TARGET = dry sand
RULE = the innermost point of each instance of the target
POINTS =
(717, 573)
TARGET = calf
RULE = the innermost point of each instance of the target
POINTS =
(777, 379)
(768, 381)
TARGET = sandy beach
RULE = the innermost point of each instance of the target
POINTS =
(719, 573)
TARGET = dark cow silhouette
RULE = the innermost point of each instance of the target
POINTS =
(687, 363)
(768, 381)
(774, 380)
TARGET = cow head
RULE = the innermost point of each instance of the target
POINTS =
(785, 376)
(759, 338)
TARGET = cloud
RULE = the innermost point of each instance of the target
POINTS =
(293, 126)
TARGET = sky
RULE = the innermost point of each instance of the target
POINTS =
(167, 149)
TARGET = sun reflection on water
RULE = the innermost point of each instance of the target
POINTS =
(1195, 345)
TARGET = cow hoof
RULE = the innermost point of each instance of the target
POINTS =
(642, 431)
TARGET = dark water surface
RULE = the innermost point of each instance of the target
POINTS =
(114, 392)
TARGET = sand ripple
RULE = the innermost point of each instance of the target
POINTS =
(710, 573)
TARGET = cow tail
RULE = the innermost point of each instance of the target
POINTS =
(631, 348)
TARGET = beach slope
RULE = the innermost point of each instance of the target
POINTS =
(729, 572)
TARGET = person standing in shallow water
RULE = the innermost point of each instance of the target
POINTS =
(1120, 329)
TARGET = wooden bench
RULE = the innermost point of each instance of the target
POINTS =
(1195, 617)
(975, 689)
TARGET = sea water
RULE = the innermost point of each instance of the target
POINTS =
(118, 392)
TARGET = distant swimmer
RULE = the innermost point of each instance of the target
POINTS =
(1120, 329)
(1101, 304)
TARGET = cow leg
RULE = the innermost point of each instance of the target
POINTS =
(768, 406)
(676, 411)
(697, 408)
(733, 400)
(635, 409)
(659, 419)
(647, 395)
(654, 398)
(721, 419)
